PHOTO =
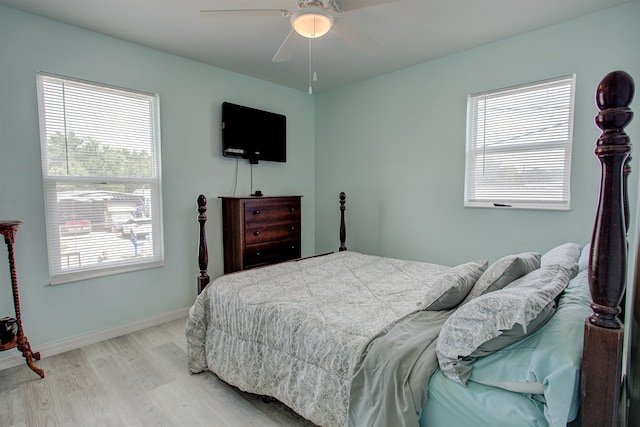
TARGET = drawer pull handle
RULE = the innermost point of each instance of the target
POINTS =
(256, 212)
(256, 233)
(292, 228)
(292, 209)
(257, 253)
(293, 247)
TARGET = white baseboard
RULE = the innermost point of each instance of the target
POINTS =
(61, 346)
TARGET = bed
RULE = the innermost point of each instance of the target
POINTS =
(354, 339)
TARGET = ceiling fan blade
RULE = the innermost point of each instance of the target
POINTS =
(287, 48)
(234, 13)
(356, 38)
(347, 5)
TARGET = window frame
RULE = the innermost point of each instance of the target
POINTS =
(513, 199)
(57, 274)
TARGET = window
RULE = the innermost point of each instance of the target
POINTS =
(101, 169)
(519, 146)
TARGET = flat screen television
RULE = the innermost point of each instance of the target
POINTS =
(252, 134)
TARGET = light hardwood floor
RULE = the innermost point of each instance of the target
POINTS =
(140, 379)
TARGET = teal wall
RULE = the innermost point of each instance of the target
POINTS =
(396, 145)
(190, 98)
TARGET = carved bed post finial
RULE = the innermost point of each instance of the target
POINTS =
(608, 257)
(203, 255)
(343, 230)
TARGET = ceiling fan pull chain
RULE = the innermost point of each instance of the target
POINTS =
(310, 88)
(313, 63)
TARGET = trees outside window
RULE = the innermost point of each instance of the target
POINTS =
(101, 169)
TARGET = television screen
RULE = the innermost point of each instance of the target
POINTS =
(252, 134)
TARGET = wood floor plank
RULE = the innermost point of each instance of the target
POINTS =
(95, 407)
(44, 401)
(140, 379)
(98, 350)
(11, 408)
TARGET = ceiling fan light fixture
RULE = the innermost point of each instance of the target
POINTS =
(312, 22)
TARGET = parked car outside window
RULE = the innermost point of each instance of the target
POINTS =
(136, 228)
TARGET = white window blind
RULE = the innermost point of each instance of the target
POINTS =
(519, 143)
(101, 168)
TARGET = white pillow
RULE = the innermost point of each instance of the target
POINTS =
(583, 261)
(551, 357)
(497, 319)
(566, 255)
(451, 288)
(504, 271)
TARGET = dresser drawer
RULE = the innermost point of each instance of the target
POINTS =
(268, 212)
(271, 252)
(261, 233)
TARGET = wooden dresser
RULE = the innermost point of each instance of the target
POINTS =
(260, 230)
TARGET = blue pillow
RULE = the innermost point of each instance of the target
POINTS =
(551, 357)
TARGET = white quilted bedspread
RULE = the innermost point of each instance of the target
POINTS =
(296, 330)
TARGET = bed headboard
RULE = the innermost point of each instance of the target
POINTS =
(603, 335)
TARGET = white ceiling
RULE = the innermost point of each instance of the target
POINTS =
(410, 31)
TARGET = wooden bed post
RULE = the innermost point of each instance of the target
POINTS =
(203, 255)
(603, 337)
(343, 230)
(633, 371)
(626, 170)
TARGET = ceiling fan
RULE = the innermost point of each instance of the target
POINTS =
(312, 19)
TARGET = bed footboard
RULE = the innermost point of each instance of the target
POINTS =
(203, 253)
(343, 229)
